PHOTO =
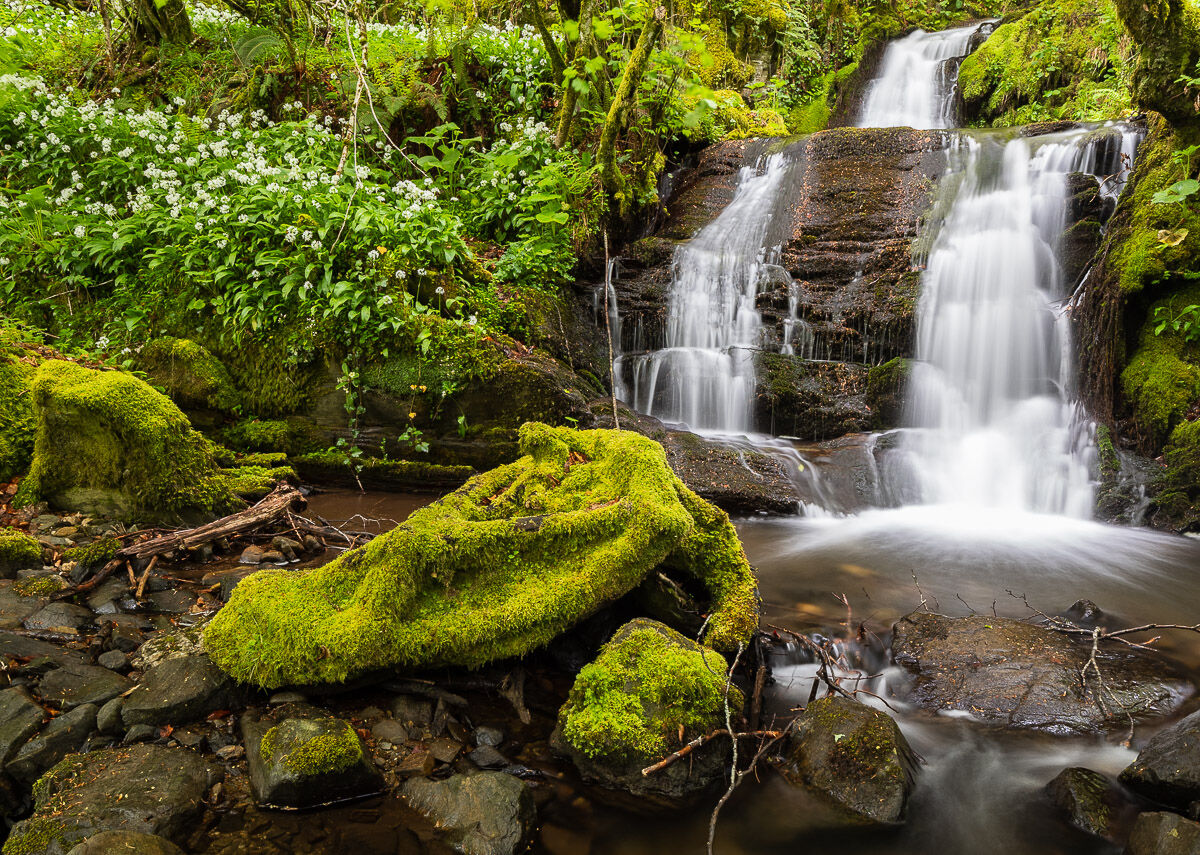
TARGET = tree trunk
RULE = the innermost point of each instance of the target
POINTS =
(622, 102)
(161, 21)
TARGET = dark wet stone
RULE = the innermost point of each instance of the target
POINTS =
(488, 813)
(104, 598)
(411, 711)
(1160, 833)
(854, 756)
(60, 737)
(107, 790)
(179, 691)
(487, 757)
(1167, 770)
(14, 608)
(113, 660)
(390, 730)
(20, 719)
(492, 736)
(141, 733)
(59, 618)
(303, 757)
(1089, 800)
(252, 555)
(108, 720)
(171, 602)
(73, 684)
(126, 843)
(1021, 675)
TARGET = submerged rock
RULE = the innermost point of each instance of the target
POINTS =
(145, 788)
(1168, 768)
(496, 569)
(1161, 833)
(488, 813)
(853, 755)
(648, 693)
(1020, 675)
(301, 757)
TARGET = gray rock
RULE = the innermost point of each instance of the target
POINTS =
(114, 660)
(287, 698)
(20, 719)
(125, 638)
(1021, 675)
(14, 608)
(107, 594)
(409, 710)
(1167, 770)
(1089, 800)
(390, 730)
(854, 756)
(487, 757)
(179, 691)
(252, 555)
(108, 720)
(75, 684)
(491, 736)
(107, 790)
(59, 618)
(126, 843)
(140, 733)
(60, 737)
(489, 813)
(301, 757)
(171, 602)
(1161, 833)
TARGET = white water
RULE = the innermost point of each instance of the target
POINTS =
(704, 377)
(916, 81)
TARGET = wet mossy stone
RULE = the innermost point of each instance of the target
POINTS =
(500, 567)
(143, 788)
(108, 443)
(853, 755)
(1088, 799)
(1177, 489)
(16, 415)
(18, 551)
(628, 708)
(1163, 833)
(193, 377)
(1167, 769)
(488, 813)
(887, 386)
(301, 757)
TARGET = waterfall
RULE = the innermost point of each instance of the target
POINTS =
(704, 376)
(991, 391)
(917, 78)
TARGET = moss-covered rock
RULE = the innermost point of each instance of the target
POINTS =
(497, 568)
(107, 443)
(1162, 380)
(333, 468)
(192, 376)
(94, 555)
(650, 691)
(731, 119)
(18, 551)
(886, 392)
(293, 435)
(254, 482)
(16, 416)
(1168, 34)
(38, 586)
(1177, 490)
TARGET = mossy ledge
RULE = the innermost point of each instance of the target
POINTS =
(498, 568)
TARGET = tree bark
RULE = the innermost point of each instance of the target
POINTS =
(158, 22)
(622, 102)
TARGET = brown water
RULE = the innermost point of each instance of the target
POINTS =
(370, 512)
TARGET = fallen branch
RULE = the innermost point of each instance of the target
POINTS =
(702, 740)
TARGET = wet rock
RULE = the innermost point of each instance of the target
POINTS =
(140, 733)
(126, 843)
(1160, 833)
(416, 761)
(487, 757)
(103, 599)
(810, 399)
(108, 720)
(1021, 675)
(73, 684)
(411, 711)
(287, 698)
(1089, 800)
(854, 756)
(125, 638)
(60, 737)
(252, 555)
(1167, 770)
(391, 731)
(107, 790)
(488, 813)
(59, 619)
(14, 608)
(492, 736)
(445, 750)
(272, 556)
(302, 757)
(171, 602)
(20, 718)
(113, 660)
(179, 691)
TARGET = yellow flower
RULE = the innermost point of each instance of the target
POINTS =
(382, 250)
(412, 415)
(422, 388)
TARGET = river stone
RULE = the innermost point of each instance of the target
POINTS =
(109, 790)
(60, 737)
(1088, 799)
(488, 813)
(853, 755)
(1020, 675)
(20, 718)
(179, 691)
(126, 843)
(1167, 770)
(74, 684)
(59, 618)
(1161, 833)
(302, 757)
(14, 608)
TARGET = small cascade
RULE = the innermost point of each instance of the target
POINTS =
(917, 79)
(599, 295)
(704, 377)
(992, 389)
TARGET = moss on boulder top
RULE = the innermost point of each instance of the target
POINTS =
(18, 551)
(498, 568)
(1177, 502)
(108, 443)
(192, 376)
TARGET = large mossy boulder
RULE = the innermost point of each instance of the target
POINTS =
(650, 691)
(107, 443)
(498, 568)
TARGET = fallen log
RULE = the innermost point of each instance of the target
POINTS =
(274, 506)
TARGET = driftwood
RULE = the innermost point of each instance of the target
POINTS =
(275, 506)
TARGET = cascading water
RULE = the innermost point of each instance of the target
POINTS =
(915, 86)
(704, 376)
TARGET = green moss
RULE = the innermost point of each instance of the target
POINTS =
(38, 586)
(1065, 59)
(1177, 498)
(1162, 379)
(18, 551)
(648, 683)
(265, 460)
(293, 435)
(16, 416)
(496, 569)
(254, 482)
(192, 376)
(96, 554)
(332, 467)
(108, 443)
(334, 747)
(276, 376)
(886, 386)
(36, 836)
(731, 119)
(725, 70)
